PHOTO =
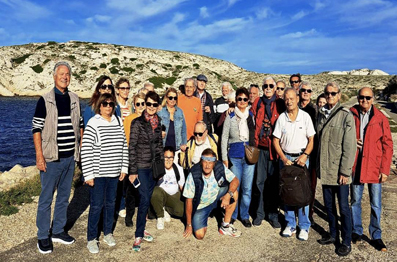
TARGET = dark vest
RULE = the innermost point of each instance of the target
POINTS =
(197, 173)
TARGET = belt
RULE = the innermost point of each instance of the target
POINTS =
(293, 155)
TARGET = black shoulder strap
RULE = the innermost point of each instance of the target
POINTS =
(329, 119)
(213, 138)
(176, 171)
(118, 120)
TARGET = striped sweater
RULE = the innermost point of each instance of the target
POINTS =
(104, 152)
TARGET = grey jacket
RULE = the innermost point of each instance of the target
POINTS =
(337, 145)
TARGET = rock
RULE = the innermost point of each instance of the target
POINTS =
(15, 175)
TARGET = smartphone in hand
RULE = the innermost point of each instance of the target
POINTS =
(136, 183)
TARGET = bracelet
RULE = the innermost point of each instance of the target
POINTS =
(189, 225)
(306, 154)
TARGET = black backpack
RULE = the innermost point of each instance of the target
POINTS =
(295, 188)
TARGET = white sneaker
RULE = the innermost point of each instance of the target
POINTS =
(92, 246)
(167, 217)
(288, 232)
(160, 223)
(122, 213)
(109, 239)
(303, 235)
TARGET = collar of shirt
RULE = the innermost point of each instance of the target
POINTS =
(59, 92)
(298, 116)
(367, 113)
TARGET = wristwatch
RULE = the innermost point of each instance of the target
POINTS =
(231, 194)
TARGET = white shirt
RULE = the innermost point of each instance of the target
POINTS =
(199, 149)
(168, 181)
(294, 135)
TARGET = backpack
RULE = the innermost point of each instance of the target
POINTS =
(295, 188)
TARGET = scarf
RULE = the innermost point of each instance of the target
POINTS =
(154, 121)
(242, 123)
(268, 105)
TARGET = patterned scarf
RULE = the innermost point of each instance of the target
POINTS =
(203, 99)
(154, 121)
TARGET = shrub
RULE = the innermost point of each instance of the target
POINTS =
(37, 68)
(158, 81)
(115, 61)
(103, 65)
(72, 57)
(177, 56)
(128, 69)
(82, 72)
(104, 54)
(40, 47)
(133, 59)
(114, 70)
(46, 61)
(94, 68)
(51, 43)
(139, 66)
(168, 65)
(21, 59)
(179, 67)
(196, 66)
(153, 71)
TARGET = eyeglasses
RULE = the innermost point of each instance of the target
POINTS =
(168, 157)
(199, 134)
(280, 88)
(104, 87)
(266, 86)
(303, 90)
(294, 82)
(242, 99)
(173, 97)
(140, 104)
(106, 104)
(124, 88)
(330, 93)
(360, 97)
(152, 104)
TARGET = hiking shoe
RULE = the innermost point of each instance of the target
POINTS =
(45, 246)
(63, 238)
(275, 224)
(167, 217)
(137, 244)
(122, 213)
(229, 230)
(379, 245)
(246, 223)
(257, 222)
(109, 239)
(303, 235)
(147, 237)
(92, 246)
(343, 250)
(326, 240)
(128, 222)
(160, 223)
(356, 238)
(288, 232)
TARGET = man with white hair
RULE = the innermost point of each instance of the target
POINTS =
(149, 86)
(57, 127)
(266, 110)
(221, 105)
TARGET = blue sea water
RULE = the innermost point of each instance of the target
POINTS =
(16, 140)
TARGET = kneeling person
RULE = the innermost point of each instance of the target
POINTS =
(208, 183)
(166, 196)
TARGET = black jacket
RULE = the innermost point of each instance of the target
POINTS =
(208, 118)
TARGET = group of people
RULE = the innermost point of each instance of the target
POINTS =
(201, 146)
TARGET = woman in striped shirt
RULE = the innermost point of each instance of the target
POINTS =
(104, 156)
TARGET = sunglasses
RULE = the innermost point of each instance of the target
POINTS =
(281, 88)
(104, 87)
(173, 97)
(294, 82)
(242, 99)
(360, 97)
(140, 104)
(330, 93)
(266, 86)
(152, 104)
(106, 104)
(306, 90)
(198, 134)
(125, 88)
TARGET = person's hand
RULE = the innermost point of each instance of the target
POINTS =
(40, 163)
(287, 162)
(122, 176)
(359, 143)
(132, 178)
(183, 148)
(225, 201)
(207, 109)
(188, 231)
(382, 178)
(301, 160)
(226, 163)
(343, 180)
(163, 134)
(231, 109)
(89, 182)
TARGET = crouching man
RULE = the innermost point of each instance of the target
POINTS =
(208, 183)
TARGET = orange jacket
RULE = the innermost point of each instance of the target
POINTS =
(191, 107)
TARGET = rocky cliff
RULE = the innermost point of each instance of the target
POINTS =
(26, 70)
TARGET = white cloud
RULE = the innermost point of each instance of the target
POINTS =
(299, 15)
(231, 2)
(311, 32)
(319, 5)
(263, 13)
(144, 8)
(26, 10)
(102, 18)
(204, 12)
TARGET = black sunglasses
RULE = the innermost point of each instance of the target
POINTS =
(140, 104)
(104, 87)
(360, 97)
(303, 90)
(105, 104)
(294, 82)
(266, 86)
(330, 93)
(124, 88)
(172, 97)
(242, 99)
(198, 134)
(280, 88)
(152, 104)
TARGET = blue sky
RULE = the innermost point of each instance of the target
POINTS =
(268, 36)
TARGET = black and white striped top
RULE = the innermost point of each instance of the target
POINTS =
(104, 152)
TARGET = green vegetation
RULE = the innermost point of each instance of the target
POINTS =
(82, 72)
(128, 69)
(37, 68)
(91, 47)
(133, 59)
(46, 61)
(139, 66)
(168, 65)
(114, 70)
(20, 60)
(104, 54)
(115, 61)
(77, 76)
(178, 67)
(40, 47)
(103, 65)
(185, 67)
(153, 71)
(177, 56)
(94, 68)
(22, 193)
(158, 81)
(72, 57)
(196, 66)
(217, 75)
(391, 87)
(52, 43)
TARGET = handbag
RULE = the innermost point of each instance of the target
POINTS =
(251, 154)
(158, 167)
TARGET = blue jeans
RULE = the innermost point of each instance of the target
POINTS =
(266, 171)
(145, 193)
(342, 192)
(303, 212)
(245, 174)
(58, 177)
(375, 197)
(102, 196)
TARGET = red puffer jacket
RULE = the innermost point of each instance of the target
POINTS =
(277, 107)
(377, 146)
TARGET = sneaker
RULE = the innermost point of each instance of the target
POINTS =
(343, 250)
(109, 239)
(257, 222)
(303, 235)
(288, 232)
(246, 222)
(167, 217)
(63, 238)
(122, 213)
(137, 244)
(92, 246)
(326, 240)
(229, 230)
(147, 237)
(275, 224)
(45, 245)
(160, 223)
(379, 245)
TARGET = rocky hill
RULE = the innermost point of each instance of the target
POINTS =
(26, 69)
(359, 72)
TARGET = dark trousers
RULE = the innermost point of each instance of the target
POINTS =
(131, 198)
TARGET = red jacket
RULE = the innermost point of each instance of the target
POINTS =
(377, 146)
(277, 108)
